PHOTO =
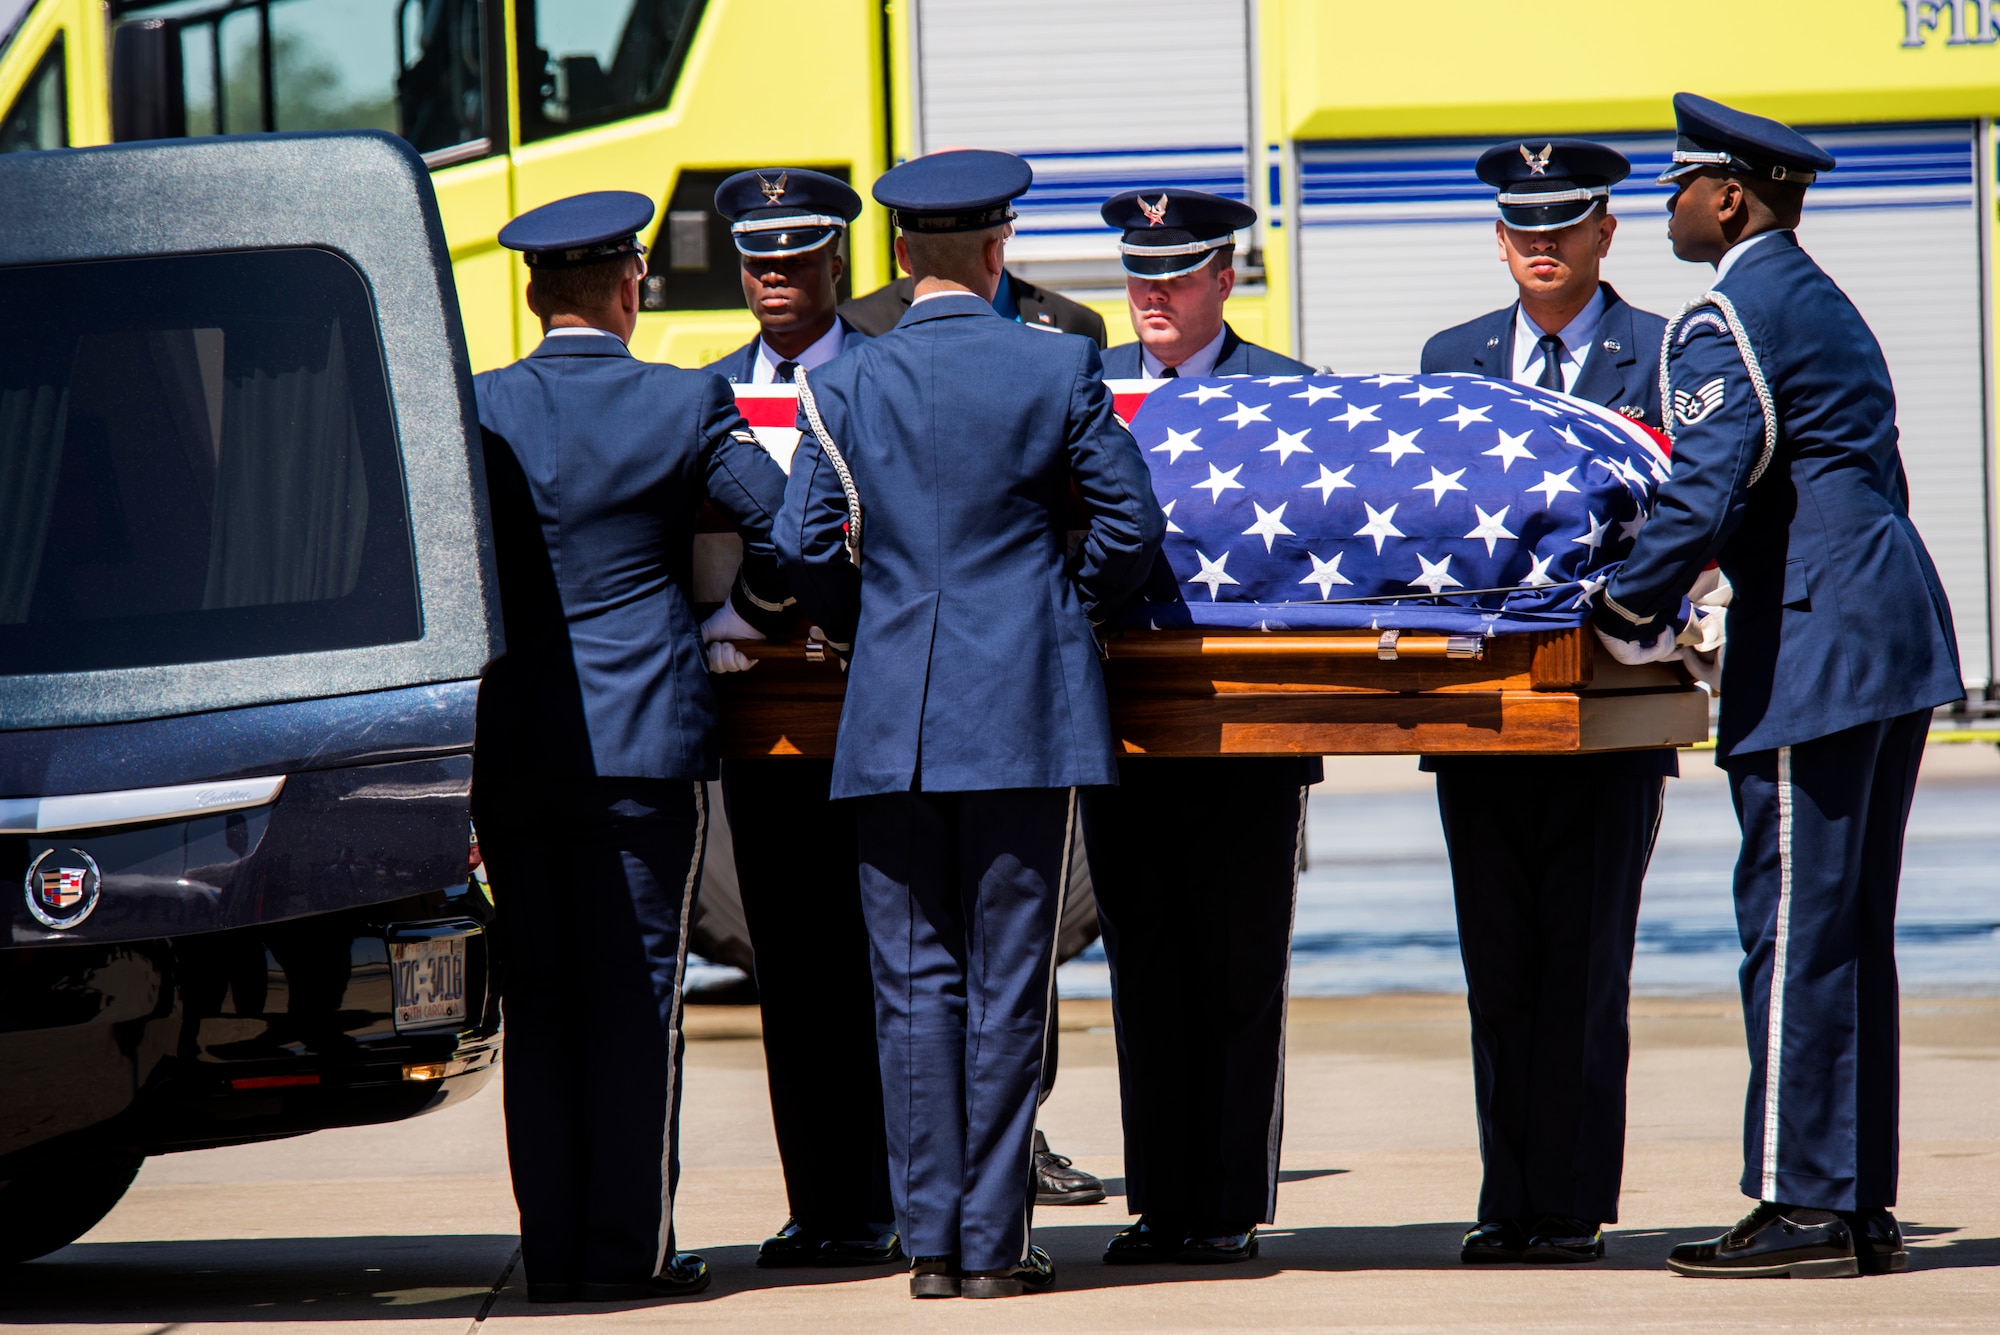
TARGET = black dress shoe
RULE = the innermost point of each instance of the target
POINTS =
(1773, 1242)
(1559, 1239)
(1035, 1274)
(553, 1293)
(799, 1244)
(1218, 1246)
(1878, 1242)
(1057, 1182)
(1493, 1242)
(686, 1275)
(1148, 1242)
(934, 1277)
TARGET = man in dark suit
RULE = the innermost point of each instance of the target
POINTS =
(1787, 472)
(1198, 932)
(794, 848)
(1548, 853)
(1015, 299)
(596, 732)
(924, 527)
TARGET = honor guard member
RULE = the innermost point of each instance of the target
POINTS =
(1786, 471)
(924, 524)
(596, 731)
(1547, 852)
(794, 848)
(1198, 932)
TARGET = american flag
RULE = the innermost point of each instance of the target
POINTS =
(1447, 503)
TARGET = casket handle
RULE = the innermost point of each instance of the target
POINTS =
(1390, 645)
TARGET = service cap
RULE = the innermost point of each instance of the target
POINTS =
(1170, 231)
(785, 210)
(957, 190)
(1712, 135)
(581, 229)
(1547, 184)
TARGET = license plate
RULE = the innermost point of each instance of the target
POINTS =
(429, 979)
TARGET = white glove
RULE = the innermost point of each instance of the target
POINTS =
(1634, 652)
(726, 657)
(724, 624)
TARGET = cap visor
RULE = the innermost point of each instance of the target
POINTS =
(773, 245)
(1165, 266)
(1545, 217)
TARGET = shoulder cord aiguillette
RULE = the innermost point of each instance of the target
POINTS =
(1750, 364)
(834, 457)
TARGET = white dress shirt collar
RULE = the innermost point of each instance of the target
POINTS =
(1735, 252)
(1577, 337)
(1200, 362)
(822, 350)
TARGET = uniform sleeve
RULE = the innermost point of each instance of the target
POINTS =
(1718, 433)
(1126, 522)
(748, 487)
(812, 531)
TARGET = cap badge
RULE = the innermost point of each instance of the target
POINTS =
(1538, 163)
(773, 191)
(1156, 214)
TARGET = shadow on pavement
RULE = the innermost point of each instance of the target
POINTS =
(258, 1281)
(1115, 1186)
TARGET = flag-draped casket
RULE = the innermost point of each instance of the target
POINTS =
(1352, 564)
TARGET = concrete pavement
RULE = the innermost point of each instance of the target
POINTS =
(409, 1228)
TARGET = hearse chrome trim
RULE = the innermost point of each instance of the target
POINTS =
(135, 806)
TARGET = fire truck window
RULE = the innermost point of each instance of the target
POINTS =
(586, 62)
(417, 68)
(39, 117)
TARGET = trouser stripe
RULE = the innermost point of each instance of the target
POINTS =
(1275, 1137)
(1055, 940)
(666, 1236)
(1774, 1028)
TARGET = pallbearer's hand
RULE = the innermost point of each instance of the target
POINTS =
(726, 657)
(725, 624)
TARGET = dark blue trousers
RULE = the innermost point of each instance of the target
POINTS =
(962, 893)
(1816, 888)
(594, 880)
(795, 863)
(1547, 858)
(1196, 866)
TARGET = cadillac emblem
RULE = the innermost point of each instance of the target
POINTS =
(60, 892)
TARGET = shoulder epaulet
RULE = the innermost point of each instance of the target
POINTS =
(1713, 308)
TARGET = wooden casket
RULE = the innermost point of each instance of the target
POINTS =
(1203, 691)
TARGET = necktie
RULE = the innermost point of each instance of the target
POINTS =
(1169, 373)
(783, 373)
(1552, 372)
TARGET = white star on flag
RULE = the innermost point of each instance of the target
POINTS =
(1588, 590)
(1380, 525)
(1356, 415)
(1212, 573)
(1653, 467)
(1399, 444)
(1424, 394)
(1281, 380)
(1329, 482)
(1441, 483)
(1177, 443)
(1436, 577)
(1536, 406)
(1629, 529)
(1492, 527)
(1288, 444)
(1553, 484)
(1509, 449)
(1168, 511)
(1538, 574)
(1203, 393)
(1466, 416)
(1631, 474)
(1219, 482)
(1245, 414)
(1595, 538)
(1326, 574)
(1382, 381)
(1569, 437)
(1270, 524)
(1314, 393)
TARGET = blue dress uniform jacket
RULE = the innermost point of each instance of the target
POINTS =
(740, 366)
(1838, 618)
(974, 662)
(1235, 358)
(604, 672)
(1622, 372)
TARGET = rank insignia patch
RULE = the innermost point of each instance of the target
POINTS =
(1692, 408)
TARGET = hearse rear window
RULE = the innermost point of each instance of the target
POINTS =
(197, 462)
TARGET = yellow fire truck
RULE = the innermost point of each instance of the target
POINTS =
(1352, 125)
